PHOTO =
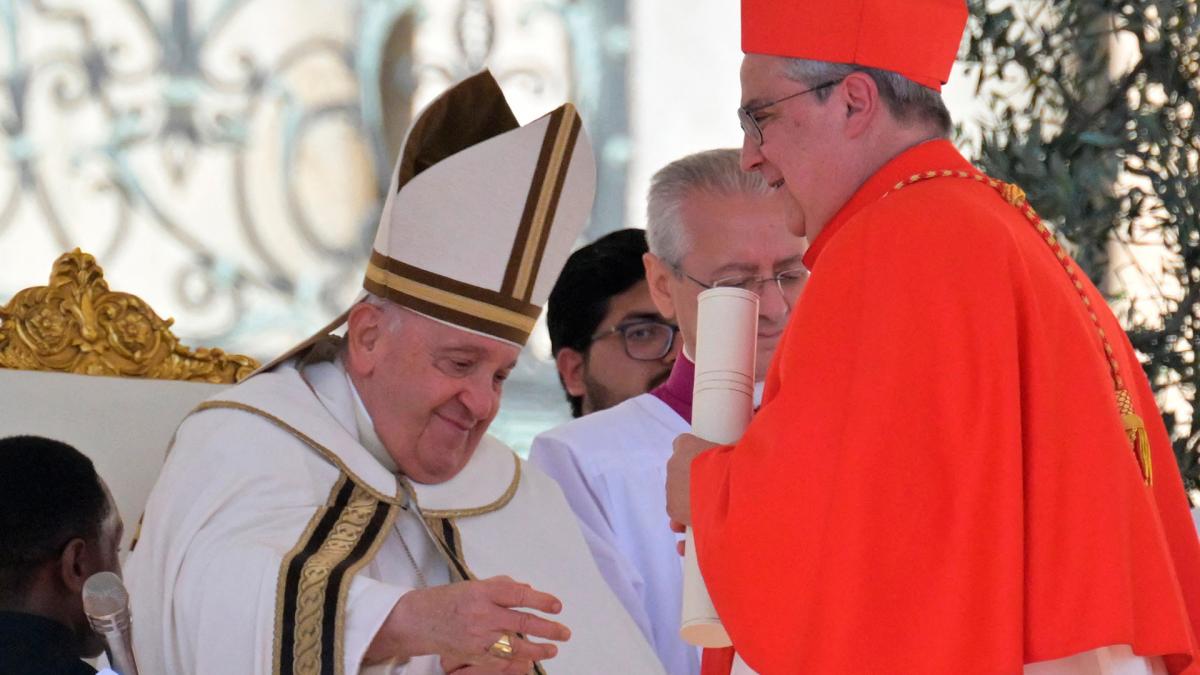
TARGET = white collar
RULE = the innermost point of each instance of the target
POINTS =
(333, 386)
(317, 406)
(366, 427)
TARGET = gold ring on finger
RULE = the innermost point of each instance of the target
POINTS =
(502, 647)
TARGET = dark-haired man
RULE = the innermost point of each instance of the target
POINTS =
(58, 526)
(609, 341)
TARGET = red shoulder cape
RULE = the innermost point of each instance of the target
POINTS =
(938, 480)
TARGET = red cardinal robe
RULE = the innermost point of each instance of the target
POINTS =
(938, 480)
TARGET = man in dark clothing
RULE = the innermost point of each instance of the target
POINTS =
(58, 526)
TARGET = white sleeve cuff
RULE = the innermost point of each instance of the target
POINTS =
(368, 604)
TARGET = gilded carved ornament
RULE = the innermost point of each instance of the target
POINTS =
(77, 325)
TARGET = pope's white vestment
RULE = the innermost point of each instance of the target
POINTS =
(276, 534)
(612, 466)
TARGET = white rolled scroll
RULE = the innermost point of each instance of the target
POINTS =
(722, 403)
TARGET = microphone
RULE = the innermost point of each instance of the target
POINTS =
(106, 603)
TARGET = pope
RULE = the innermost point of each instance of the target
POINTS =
(344, 511)
(958, 466)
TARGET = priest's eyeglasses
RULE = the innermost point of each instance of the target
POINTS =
(789, 282)
(644, 339)
(750, 122)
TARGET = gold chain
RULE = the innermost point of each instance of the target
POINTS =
(1135, 428)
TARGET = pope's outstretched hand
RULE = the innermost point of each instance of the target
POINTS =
(461, 622)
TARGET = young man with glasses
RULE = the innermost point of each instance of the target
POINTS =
(958, 466)
(708, 224)
(609, 341)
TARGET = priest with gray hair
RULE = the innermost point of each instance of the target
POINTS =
(344, 510)
(708, 224)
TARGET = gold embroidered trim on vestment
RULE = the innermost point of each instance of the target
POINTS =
(401, 499)
(454, 562)
(352, 570)
(300, 631)
(498, 504)
(311, 595)
(343, 538)
(281, 582)
(315, 577)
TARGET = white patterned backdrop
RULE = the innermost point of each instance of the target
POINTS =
(224, 159)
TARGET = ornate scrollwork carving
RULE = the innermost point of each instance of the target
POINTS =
(77, 325)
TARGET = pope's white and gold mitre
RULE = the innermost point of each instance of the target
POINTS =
(481, 213)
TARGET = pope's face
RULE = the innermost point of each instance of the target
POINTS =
(432, 390)
(802, 142)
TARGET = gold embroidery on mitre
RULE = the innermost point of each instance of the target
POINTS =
(545, 189)
(450, 300)
(547, 200)
(77, 325)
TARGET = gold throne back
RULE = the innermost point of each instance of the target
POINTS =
(54, 342)
(77, 325)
